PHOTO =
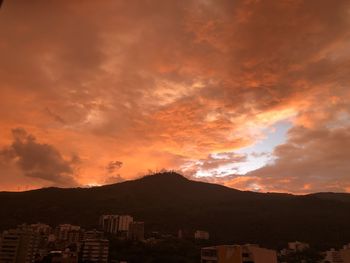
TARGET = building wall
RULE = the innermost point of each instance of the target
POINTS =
(229, 254)
(262, 255)
(334, 256)
(124, 222)
(345, 254)
(9, 246)
(222, 254)
(95, 250)
(113, 223)
(41, 228)
(238, 254)
(93, 234)
(109, 223)
(116, 224)
(62, 231)
(19, 246)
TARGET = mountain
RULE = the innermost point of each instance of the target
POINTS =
(169, 201)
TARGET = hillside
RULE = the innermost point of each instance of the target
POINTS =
(168, 201)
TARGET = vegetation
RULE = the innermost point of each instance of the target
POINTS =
(167, 250)
(167, 202)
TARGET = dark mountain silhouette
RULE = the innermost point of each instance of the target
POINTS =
(169, 201)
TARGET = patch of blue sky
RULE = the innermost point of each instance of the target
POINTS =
(259, 154)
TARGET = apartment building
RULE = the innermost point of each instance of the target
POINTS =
(19, 246)
(95, 250)
(238, 254)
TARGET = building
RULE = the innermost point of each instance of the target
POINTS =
(116, 224)
(333, 256)
(256, 254)
(298, 246)
(201, 235)
(19, 246)
(124, 223)
(137, 231)
(63, 256)
(109, 223)
(95, 250)
(41, 228)
(41, 232)
(93, 234)
(238, 254)
(345, 253)
(9, 246)
(338, 256)
(63, 230)
(75, 237)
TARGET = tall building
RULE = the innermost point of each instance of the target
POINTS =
(41, 228)
(201, 235)
(19, 246)
(116, 224)
(238, 254)
(95, 250)
(9, 246)
(92, 234)
(62, 231)
(41, 232)
(74, 237)
(137, 231)
(124, 223)
(109, 223)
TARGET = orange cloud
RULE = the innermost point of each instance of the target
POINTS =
(155, 84)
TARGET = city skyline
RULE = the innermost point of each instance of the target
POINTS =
(249, 94)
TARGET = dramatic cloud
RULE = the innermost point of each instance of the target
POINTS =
(113, 166)
(38, 160)
(111, 169)
(174, 84)
(311, 159)
(213, 164)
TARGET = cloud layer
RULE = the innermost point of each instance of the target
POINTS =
(39, 161)
(175, 84)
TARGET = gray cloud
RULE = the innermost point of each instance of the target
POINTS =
(55, 116)
(218, 160)
(312, 160)
(212, 163)
(37, 160)
(113, 166)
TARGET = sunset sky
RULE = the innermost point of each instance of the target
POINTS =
(251, 94)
